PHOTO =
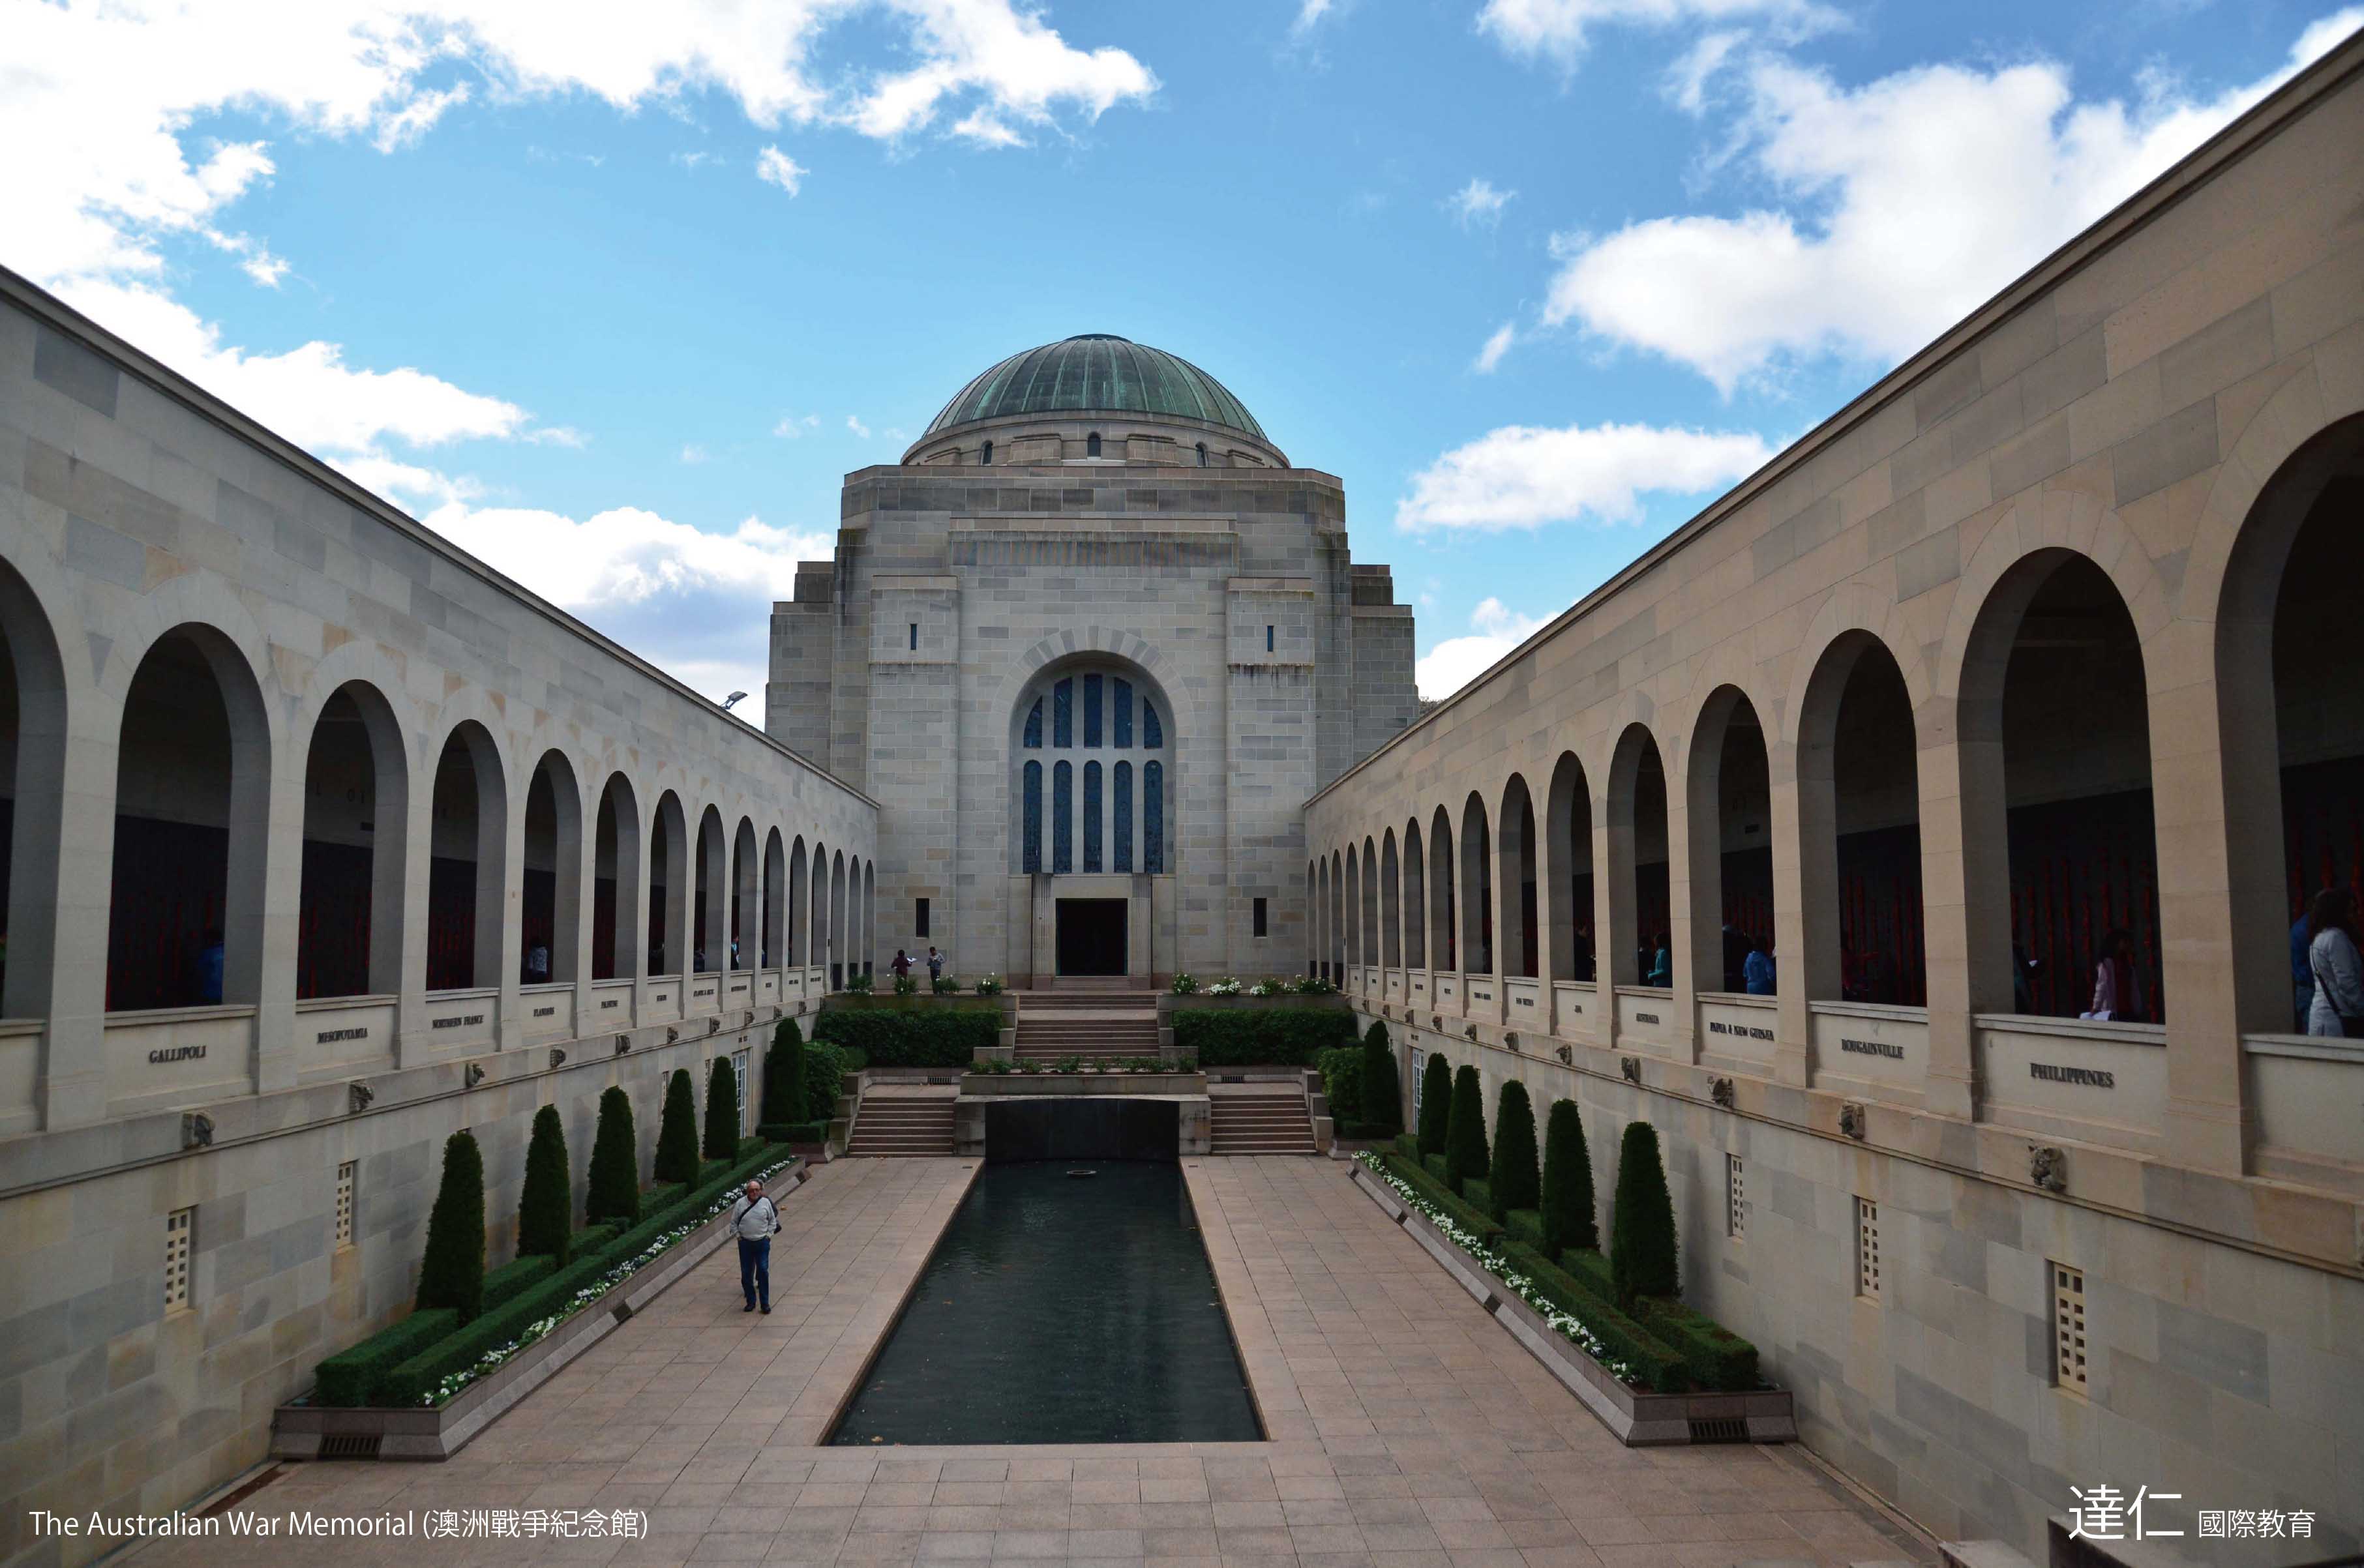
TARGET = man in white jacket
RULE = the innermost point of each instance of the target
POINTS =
(755, 1219)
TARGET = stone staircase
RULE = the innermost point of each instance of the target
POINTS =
(888, 1125)
(1261, 1118)
(1096, 1021)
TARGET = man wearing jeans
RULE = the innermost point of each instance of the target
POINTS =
(756, 1220)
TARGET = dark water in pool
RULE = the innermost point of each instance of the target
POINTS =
(1057, 1309)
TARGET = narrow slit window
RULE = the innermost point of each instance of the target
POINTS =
(1152, 820)
(1124, 706)
(1091, 817)
(1120, 816)
(1202, 454)
(345, 1177)
(1092, 444)
(1736, 1198)
(180, 1234)
(1866, 1249)
(1260, 918)
(1062, 714)
(1033, 807)
(919, 918)
(986, 455)
(1062, 819)
(1268, 639)
(2068, 1325)
(915, 636)
(1091, 710)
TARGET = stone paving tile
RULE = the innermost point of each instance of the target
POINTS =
(1406, 1429)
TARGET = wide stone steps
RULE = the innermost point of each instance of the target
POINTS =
(1096, 1037)
(1259, 1124)
(890, 1128)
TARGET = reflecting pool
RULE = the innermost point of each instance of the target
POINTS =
(1061, 1308)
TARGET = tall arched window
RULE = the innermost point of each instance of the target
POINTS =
(1202, 454)
(1152, 818)
(1092, 813)
(984, 456)
(1122, 811)
(1062, 819)
(1033, 811)
(1092, 444)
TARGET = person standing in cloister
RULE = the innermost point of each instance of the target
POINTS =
(2338, 970)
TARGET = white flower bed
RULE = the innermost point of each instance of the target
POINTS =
(1568, 1328)
(541, 1328)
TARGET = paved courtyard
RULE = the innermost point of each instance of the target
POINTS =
(1408, 1430)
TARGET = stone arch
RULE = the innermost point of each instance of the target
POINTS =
(746, 927)
(1444, 938)
(549, 875)
(1519, 880)
(1727, 818)
(839, 933)
(1477, 868)
(1638, 824)
(1415, 899)
(776, 906)
(467, 903)
(710, 913)
(41, 702)
(1862, 935)
(354, 875)
(798, 930)
(1390, 903)
(1568, 864)
(617, 870)
(670, 882)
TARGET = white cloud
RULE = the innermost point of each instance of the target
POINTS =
(691, 161)
(557, 436)
(1477, 202)
(1898, 207)
(792, 426)
(858, 426)
(693, 454)
(1522, 477)
(1309, 14)
(774, 167)
(1495, 629)
(1496, 347)
(1555, 29)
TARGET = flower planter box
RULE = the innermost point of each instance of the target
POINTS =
(436, 1432)
(1039, 1083)
(1637, 1418)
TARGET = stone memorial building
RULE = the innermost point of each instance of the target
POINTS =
(1089, 645)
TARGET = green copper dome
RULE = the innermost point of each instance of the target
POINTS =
(1097, 370)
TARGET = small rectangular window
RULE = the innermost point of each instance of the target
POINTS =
(345, 1202)
(915, 636)
(1268, 639)
(739, 1071)
(920, 917)
(180, 1234)
(2069, 1327)
(1259, 918)
(1735, 1199)
(1419, 1077)
(1866, 1249)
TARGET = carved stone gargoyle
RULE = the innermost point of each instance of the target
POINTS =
(1436, 1020)
(1469, 1032)
(1632, 1067)
(1566, 1056)
(360, 1096)
(1852, 1120)
(623, 1043)
(475, 1073)
(672, 1035)
(2047, 1167)
(1721, 1092)
(1511, 1039)
(196, 1131)
(557, 1057)
(714, 1026)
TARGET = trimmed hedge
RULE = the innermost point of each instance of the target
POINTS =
(1475, 1221)
(1567, 1201)
(545, 1206)
(407, 1383)
(1712, 1355)
(825, 1070)
(452, 1270)
(1465, 1158)
(1381, 1086)
(1514, 1180)
(1260, 1036)
(916, 1036)
(1341, 1081)
(783, 1074)
(721, 1110)
(346, 1379)
(1656, 1363)
(677, 1130)
(615, 1178)
(793, 1132)
(519, 1274)
(1526, 1225)
(1435, 1103)
(1642, 1220)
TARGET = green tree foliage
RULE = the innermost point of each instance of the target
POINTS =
(824, 1080)
(677, 1133)
(723, 1111)
(1568, 1205)
(615, 1164)
(1465, 1133)
(453, 1273)
(1260, 1036)
(1435, 1103)
(1382, 1088)
(1642, 1225)
(546, 1206)
(783, 1074)
(1512, 1181)
(1341, 1081)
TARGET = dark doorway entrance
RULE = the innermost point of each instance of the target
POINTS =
(1091, 936)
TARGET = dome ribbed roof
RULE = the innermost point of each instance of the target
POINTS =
(1097, 370)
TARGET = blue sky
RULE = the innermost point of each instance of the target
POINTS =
(615, 296)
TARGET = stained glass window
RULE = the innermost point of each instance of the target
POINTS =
(1034, 727)
(1123, 712)
(1121, 810)
(1062, 714)
(1091, 817)
(1152, 734)
(1152, 818)
(1063, 816)
(1091, 710)
(1034, 809)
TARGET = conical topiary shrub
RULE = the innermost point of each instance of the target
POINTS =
(1642, 1226)
(677, 1133)
(723, 1111)
(453, 1273)
(1435, 1103)
(783, 1074)
(1567, 1212)
(545, 1209)
(1512, 1181)
(615, 1164)
(1382, 1090)
(1465, 1135)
